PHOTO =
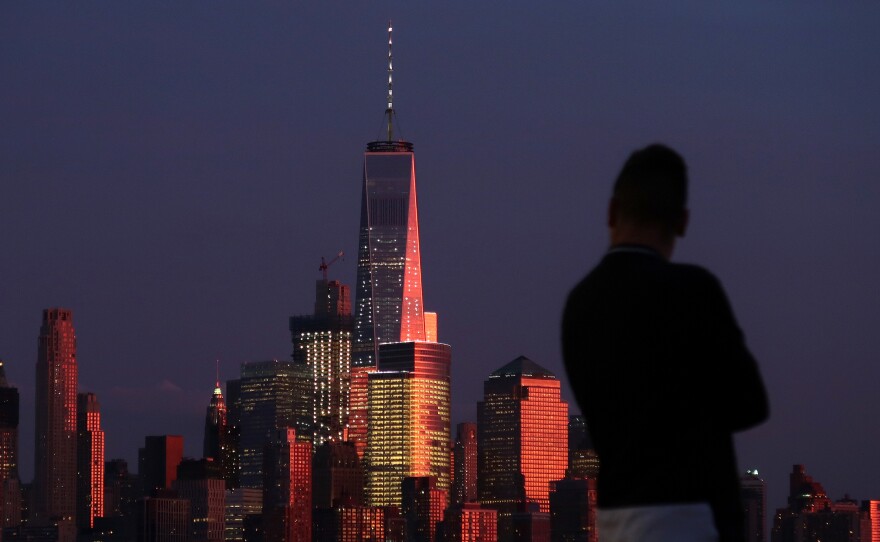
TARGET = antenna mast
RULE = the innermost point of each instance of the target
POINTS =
(390, 110)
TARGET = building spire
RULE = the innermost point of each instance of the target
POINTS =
(389, 111)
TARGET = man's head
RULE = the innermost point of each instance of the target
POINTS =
(650, 196)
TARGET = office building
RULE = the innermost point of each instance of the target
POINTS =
(90, 461)
(287, 488)
(200, 482)
(464, 485)
(422, 507)
(573, 510)
(469, 522)
(215, 426)
(522, 434)
(870, 521)
(158, 461)
(164, 517)
(322, 349)
(230, 463)
(266, 400)
(409, 425)
(388, 306)
(55, 448)
(354, 523)
(754, 495)
(241, 502)
(337, 476)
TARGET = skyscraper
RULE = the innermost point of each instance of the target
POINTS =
(215, 426)
(287, 488)
(55, 447)
(522, 433)
(266, 404)
(754, 494)
(409, 426)
(464, 487)
(201, 483)
(90, 460)
(322, 347)
(389, 278)
(158, 461)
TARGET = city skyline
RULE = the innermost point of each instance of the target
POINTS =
(191, 229)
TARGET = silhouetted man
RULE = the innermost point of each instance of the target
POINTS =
(660, 370)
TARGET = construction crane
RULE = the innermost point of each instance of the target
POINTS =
(324, 265)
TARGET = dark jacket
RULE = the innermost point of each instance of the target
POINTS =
(663, 377)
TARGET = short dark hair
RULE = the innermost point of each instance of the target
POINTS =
(652, 186)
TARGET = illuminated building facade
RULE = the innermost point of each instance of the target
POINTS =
(464, 485)
(266, 404)
(90, 461)
(287, 488)
(55, 448)
(870, 521)
(469, 522)
(409, 426)
(322, 351)
(522, 433)
(158, 461)
(754, 495)
(353, 523)
(389, 307)
(573, 510)
(422, 507)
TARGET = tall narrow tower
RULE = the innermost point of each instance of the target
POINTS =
(90, 461)
(388, 305)
(55, 447)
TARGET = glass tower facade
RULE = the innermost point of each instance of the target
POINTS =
(522, 435)
(388, 307)
(409, 419)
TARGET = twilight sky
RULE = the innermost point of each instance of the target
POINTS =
(173, 172)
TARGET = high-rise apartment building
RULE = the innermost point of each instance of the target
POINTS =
(522, 433)
(388, 305)
(322, 348)
(754, 494)
(464, 485)
(90, 461)
(55, 447)
(409, 425)
(287, 488)
(266, 400)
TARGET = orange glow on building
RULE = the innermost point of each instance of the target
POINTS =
(522, 432)
(409, 419)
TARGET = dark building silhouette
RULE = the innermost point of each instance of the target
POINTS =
(584, 463)
(164, 517)
(526, 524)
(266, 404)
(337, 475)
(354, 523)
(812, 517)
(322, 349)
(423, 506)
(287, 488)
(573, 510)
(754, 496)
(90, 461)
(464, 485)
(10, 487)
(201, 483)
(522, 433)
(240, 503)
(158, 461)
(215, 426)
(389, 307)
(578, 433)
(230, 462)
(55, 447)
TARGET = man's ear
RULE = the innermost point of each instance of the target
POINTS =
(681, 226)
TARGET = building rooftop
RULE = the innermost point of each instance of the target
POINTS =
(523, 366)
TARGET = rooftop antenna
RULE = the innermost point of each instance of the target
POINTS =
(218, 373)
(390, 110)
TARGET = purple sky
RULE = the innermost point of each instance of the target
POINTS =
(173, 172)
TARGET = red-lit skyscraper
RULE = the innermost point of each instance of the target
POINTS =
(388, 306)
(287, 488)
(55, 446)
(522, 433)
(90, 461)
(464, 485)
